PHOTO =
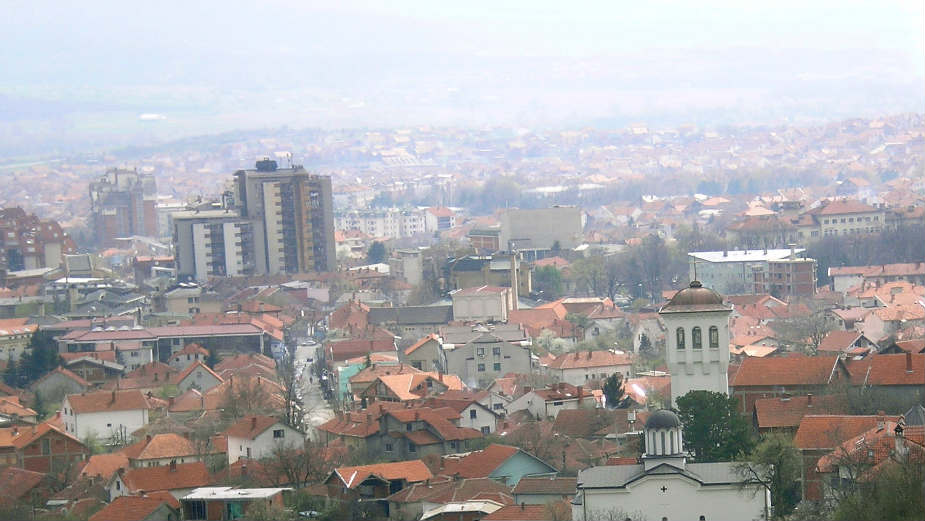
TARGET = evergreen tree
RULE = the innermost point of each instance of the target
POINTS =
(613, 390)
(713, 428)
(11, 376)
(39, 405)
(212, 358)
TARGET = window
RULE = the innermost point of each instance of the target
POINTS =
(472, 414)
(279, 433)
(557, 403)
(248, 453)
(481, 368)
(496, 351)
(118, 485)
(388, 447)
(497, 406)
(496, 366)
(680, 335)
(714, 337)
(46, 447)
(480, 351)
(696, 338)
(486, 430)
(412, 447)
(416, 364)
(408, 427)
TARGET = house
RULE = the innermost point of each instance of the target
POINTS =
(418, 432)
(540, 491)
(161, 449)
(103, 466)
(41, 448)
(819, 435)
(850, 342)
(522, 512)
(502, 463)
(485, 358)
(24, 486)
(178, 479)
(411, 321)
(58, 383)
(472, 412)
(784, 413)
(664, 485)
(96, 368)
(376, 481)
(409, 503)
(794, 375)
(900, 375)
(110, 415)
(581, 368)
(406, 387)
(197, 376)
(255, 437)
(426, 354)
(151, 376)
(221, 503)
(599, 423)
(137, 508)
(187, 356)
(546, 403)
(14, 412)
(367, 376)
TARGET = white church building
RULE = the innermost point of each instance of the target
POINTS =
(665, 487)
(697, 341)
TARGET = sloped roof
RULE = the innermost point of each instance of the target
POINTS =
(787, 412)
(159, 446)
(167, 477)
(129, 508)
(445, 489)
(898, 369)
(192, 367)
(829, 431)
(411, 471)
(479, 463)
(413, 347)
(578, 360)
(15, 482)
(791, 370)
(544, 485)
(104, 465)
(108, 401)
(250, 427)
(519, 513)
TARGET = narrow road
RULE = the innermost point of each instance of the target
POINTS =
(317, 410)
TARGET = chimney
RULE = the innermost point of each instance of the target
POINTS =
(523, 506)
(253, 423)
(244, 469)
(881, 419)
(580, 394)
(173, 465)
(908, 362)
(589, 354)
(417, 415)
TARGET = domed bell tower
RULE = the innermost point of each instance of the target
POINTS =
(697, 341)
(663, 440)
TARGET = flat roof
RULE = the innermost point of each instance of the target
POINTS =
(744, 255)
(207, 493)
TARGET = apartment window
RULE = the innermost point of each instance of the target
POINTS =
(481, 368)
(679, 333)
(472, 414)
(496, 367)
(825, 221)
(480, 351)
(408, 427)
(557, 403)
(696, 338)
(714, 337)
(496, 351)
(486, 430)
(388, 447)
(279, 433)
(497, 406)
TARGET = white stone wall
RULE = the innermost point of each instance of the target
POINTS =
(697, 369)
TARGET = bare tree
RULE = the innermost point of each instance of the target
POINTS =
(294, 413)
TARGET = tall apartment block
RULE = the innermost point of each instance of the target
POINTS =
(293, 217)
(28, 242)
(212, 243)
(123, 203)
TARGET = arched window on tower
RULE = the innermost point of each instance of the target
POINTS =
(696, 338)
(680, 335)
(663, 443)
(714, 337)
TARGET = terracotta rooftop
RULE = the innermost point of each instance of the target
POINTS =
(108, 401)
(580, 360)
(479, 463)
(774, 413)
(104, 465)
(411, 471)
(129, 508)
(250, 427)
(791, 370)
(898, 369)
(551, 485)
(166, 477)
(20, 436)
(160, 446)
(413, 347)
(519, 513)
(15, 482)
(829, 431)
(443, 489)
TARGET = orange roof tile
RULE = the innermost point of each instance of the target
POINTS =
(787, 412)
(829, 431)
(479, 463)
(108, 401)
(413, 347)
(104, 465)
(411, 471)
(250, 427)
(168, 445)
(15, 482)
(166, 477)
(129, 508)
(519, 513)
(578, 360)
(898, 369)
(791, 370)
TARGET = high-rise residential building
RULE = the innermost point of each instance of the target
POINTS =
(212, 243)
(293, 217)
(27, 242)
(123, 203)
(541, 228)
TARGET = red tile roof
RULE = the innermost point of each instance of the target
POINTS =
(168, 445)
(443, 489)
(68, 374)
(108, 401)
(129, 508)
(15, 482)
(579, 360)
(104, 465)
(773, 413)
(244, 360)
(829, 431)
(841, 206)
(166, 477)
(413, 347)
(839, 341)
(250, 427)
(791, 370)
(899, 369)
(411, 471)
(479, 463)
(519, 513)
(874, 446)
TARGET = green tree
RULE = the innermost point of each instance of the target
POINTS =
(376, 253)
(613, 390)
(775, 463)
(713, 428)
(212, 359)
(895, 493)
(645, 345)
(548, 280)
(11, 375)
(39, 405)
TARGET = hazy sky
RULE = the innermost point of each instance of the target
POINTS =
(552, 61)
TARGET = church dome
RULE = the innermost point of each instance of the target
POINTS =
(663, 419)
(695, 298)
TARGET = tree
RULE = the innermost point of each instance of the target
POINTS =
(645, 346)
(294, 415)
(805, 331)
(376, 253)
(39, 405)
(11, 375)
(775, 463)
(893, 491)
(713, 428)
(548, 280)
(613, 390)
(212, 359)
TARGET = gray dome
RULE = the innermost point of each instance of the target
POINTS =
(663, 419)
(696, 295)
